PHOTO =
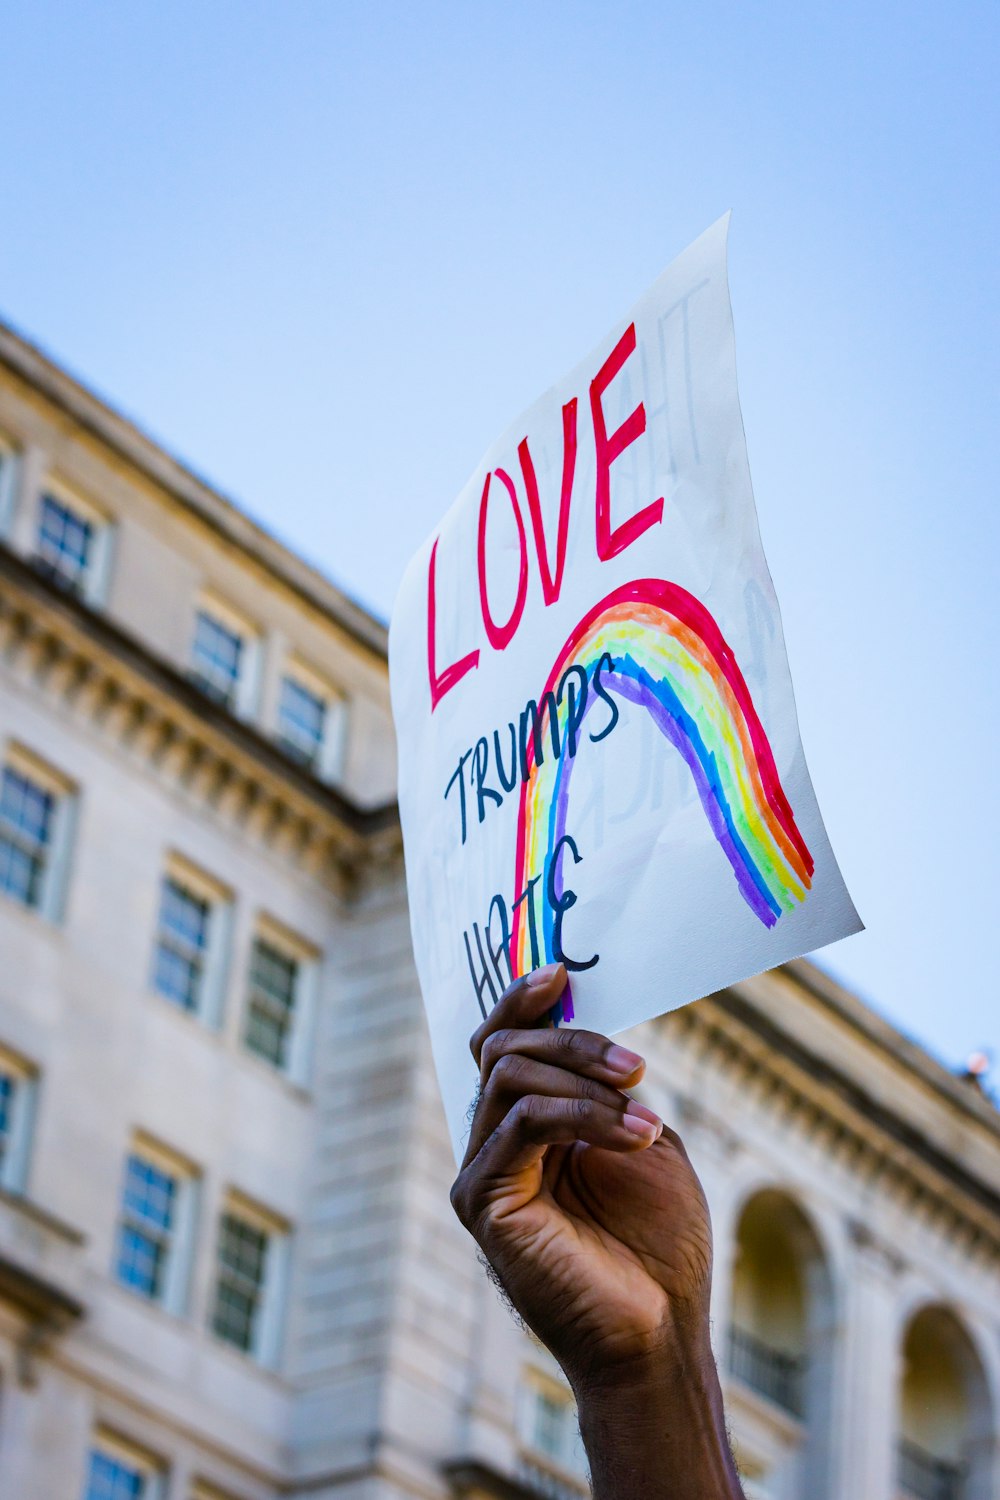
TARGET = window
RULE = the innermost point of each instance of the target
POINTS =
(26, 817)
(548, 1422)
(301, 717)
(183, 944)
(6, 484)
(224, 657)
(117, 1472)
(249, 1280)
(65, 541)
(35, 814)
(155, 1228)
(191, 939)
(312, 722)
(271, 1005)
(72, 542)
(17, 1089)
(216, 658)
(280, 999)
(112, 1478)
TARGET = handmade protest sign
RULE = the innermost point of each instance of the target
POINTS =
(599, 758)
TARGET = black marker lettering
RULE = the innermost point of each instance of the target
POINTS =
(602, 692)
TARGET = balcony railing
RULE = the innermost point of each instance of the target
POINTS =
(770, 1372)
(924, 1477)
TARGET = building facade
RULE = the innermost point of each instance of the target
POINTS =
(228, 1265)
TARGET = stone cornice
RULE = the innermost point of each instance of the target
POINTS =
(98, 418)
(834, 1082)
(815, 1099)
(47, 1222)
(83, 659)
(876, 1029)
(39, 1300)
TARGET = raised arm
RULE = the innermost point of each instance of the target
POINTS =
(592, 1217)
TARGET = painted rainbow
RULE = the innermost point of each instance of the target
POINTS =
(668, 655)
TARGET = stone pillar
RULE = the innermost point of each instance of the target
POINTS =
(714, 1149)
(867, 1385)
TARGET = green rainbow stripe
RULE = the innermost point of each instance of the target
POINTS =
(653, 643)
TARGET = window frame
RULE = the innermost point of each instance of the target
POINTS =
(16, 1155)
(174, 1293)
(306, 957)
(328, 764)
(538, 1385)
(218, 898)
(246, 685)
(92, 584)
(268, 1331)
(9, 459)
(64, 793)
(151, 1470)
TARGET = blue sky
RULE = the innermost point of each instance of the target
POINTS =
(326, 251)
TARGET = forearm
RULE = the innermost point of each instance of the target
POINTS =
(658, 1432)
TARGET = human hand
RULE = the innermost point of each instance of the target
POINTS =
(584, 1203)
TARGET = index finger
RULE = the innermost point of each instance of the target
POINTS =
(522, 1004)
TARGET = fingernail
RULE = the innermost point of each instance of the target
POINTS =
(635, 1110)
(621, 1060)
(645, 1129)
(541, 976)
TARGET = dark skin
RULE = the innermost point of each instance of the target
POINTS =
(592, 1217)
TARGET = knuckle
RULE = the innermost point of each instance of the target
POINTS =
(493, 1048)
(527, 1113)
(460, 1197)
(583, 1110)
(508, 1071)
(576, 1043)
(591, 1089)
(516, 987)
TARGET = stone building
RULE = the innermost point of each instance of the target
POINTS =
(228, 1266)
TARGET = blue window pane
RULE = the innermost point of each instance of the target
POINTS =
(140, 1262)
(26, 811)
(64, 541)
(182, 944)
(215, 658)
(149, 1192)
(148, 1202)
(184, 914)
(7, 1087)
(301, 719)
(110, 1478)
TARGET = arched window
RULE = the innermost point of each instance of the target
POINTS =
(946, 1421)
(780, 1342)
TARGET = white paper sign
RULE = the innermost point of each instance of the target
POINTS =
(599, 758)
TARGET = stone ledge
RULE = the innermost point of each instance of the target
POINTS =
(98, 418)
(93, 666)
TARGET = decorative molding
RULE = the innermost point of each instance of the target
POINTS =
(875, 1249)
(82, 660)
(45, 1307)
(694, 1114)
(876, 1030)
(809, 1096)
(47, 1222)
(98, 419)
